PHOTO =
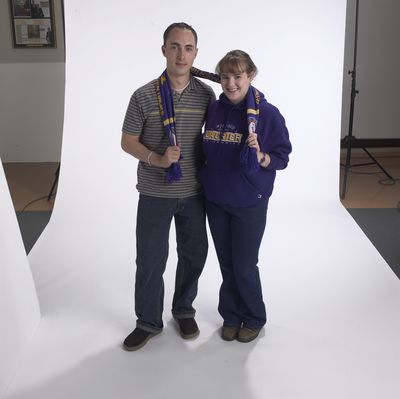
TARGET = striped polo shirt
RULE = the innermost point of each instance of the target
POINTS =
(143, 119)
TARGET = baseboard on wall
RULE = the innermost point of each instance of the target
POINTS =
(370, 143)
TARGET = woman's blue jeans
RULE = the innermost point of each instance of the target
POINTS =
(237, 234)
(154, 216)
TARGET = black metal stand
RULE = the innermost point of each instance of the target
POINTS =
(350, 139)
(54, 183)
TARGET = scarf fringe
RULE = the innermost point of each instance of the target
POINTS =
(248, 158)
(174, 173)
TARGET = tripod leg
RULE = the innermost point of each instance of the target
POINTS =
(344, 184)
(54, 183)
(378, 164)
(346, 166)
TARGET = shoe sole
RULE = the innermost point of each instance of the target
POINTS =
(245, 340)
(135, 348)
(230, 337)
(190, 336)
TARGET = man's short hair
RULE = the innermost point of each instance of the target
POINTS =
(180, 25)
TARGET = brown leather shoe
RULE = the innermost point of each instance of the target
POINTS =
(229, 333)
(248, 334)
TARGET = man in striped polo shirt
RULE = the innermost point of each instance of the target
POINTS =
(144, 137)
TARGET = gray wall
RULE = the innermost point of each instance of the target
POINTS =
(31, 95)
(32, 84)
(376, 111)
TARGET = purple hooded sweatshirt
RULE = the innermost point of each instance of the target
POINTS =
(225, 180)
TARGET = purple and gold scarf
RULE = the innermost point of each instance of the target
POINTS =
(248, 156)
(166, 105)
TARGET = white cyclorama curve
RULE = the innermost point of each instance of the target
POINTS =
(19, 306)
(332, 301)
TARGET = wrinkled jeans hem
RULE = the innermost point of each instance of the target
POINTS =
(183, 315)
(146, 327)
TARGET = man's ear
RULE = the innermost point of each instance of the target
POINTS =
(163, 50)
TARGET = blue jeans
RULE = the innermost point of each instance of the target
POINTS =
(154, 216)
(237, 234)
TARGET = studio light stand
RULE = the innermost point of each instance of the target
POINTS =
(350, 139)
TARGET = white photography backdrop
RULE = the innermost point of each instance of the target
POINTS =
(332, 300)
(19, 306)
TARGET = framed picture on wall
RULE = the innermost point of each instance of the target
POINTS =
(32, 23)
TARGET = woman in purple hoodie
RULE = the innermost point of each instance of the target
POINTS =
(245, 143)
